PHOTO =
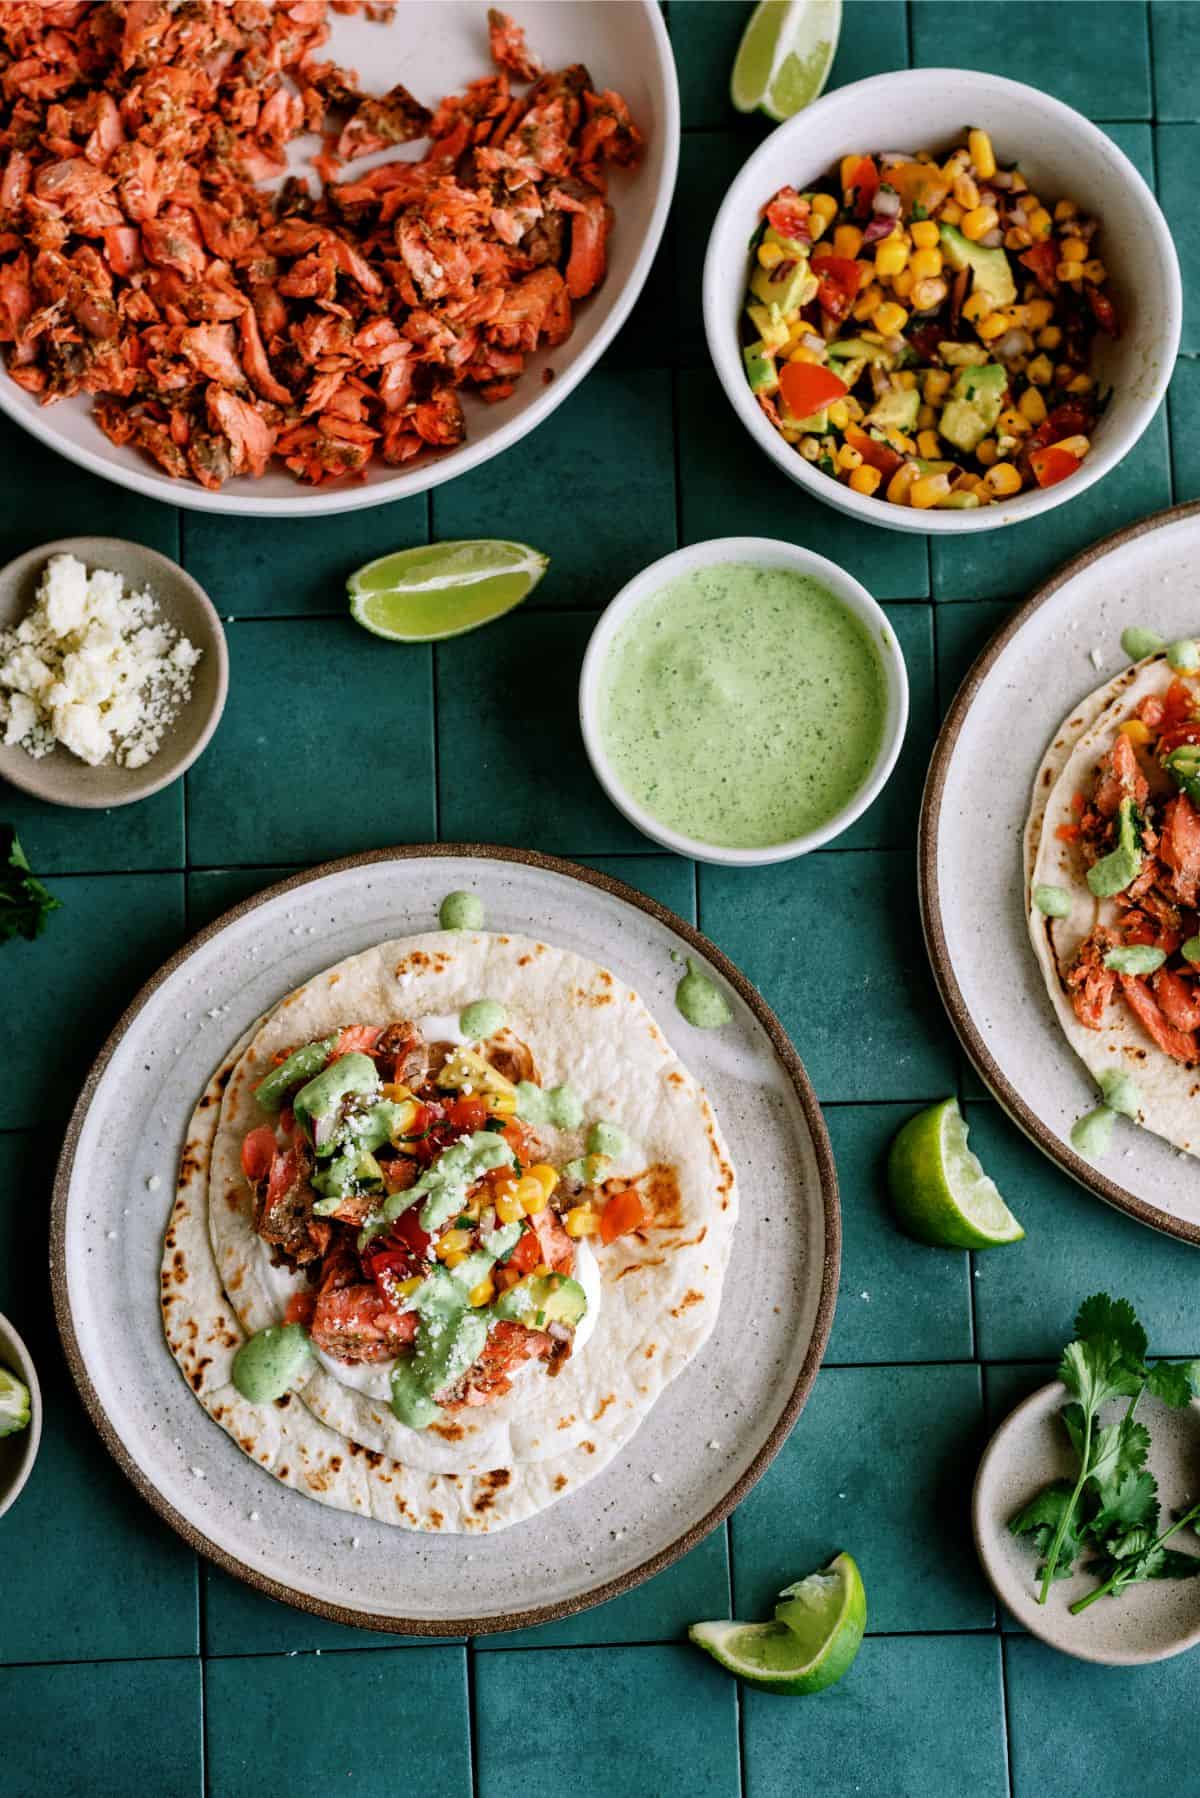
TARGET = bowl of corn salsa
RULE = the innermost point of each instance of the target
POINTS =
(941, 326)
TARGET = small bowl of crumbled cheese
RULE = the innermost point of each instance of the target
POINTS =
(113, 671)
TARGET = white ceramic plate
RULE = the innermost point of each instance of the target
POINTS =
(668, 1486)
(435, 49)
(1149, 1622)
(977, 799)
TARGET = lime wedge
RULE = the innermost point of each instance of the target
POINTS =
(818, 1628)
(14, 1403)
(443, 589)
(939, 1189)
(785, 55)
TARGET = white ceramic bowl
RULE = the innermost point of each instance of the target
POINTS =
(766, 553)
(1063, 155)
(18, 1452)
(435, 47)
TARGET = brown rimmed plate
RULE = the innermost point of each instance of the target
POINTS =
(1061, 645)
(701, 1448)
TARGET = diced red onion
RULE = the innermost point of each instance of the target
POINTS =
(1017, 215)
(878, 227)
(991, 240)
(886, 203)
(811, 341)
(1013, 343)
(1002, 178)
(561, 1332)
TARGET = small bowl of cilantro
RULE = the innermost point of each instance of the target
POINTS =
(1086, 1509)
(938, 325)
(20, 1415)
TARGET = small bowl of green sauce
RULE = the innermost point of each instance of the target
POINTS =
(743, 701)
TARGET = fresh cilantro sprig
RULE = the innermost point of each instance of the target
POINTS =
(1112, 1506)
(25, 903)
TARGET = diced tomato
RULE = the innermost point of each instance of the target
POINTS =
(521, 1140)
(863, 185)
(406, 1233)
(300, 1308)
(1052, 465)
(623, 1213)
(1042, 261)
(528, 1253)
(468, 1114)
(838, 280)
(1103, 310)
(356, 1039)
(258, 1152)
(287, 1120)
(874, 454)
(788, 214)
(807, 387)
(1178, 702)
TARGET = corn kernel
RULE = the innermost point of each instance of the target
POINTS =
(936, 384)
(993, 326)
(1040, 371)
(396, 1093)
(1018, 237)
(982, 154)
(928, 445)
(508, 1205)
(544, 1174)
(848, 457)
(865, 479)
(542, 1269)
(926, 264)
(529, 1193)
(1135, 730)
(1072, 249)
(966, 192)
(906, 378)
(1040, 223)
(824, 206)
(455, 1259)
(853, 407)
(847, 241)
(902, 284)
(903, 445)
(454, 1242)
(484, 1293)
(581, 1221)
(956, 163)
(1095, 272)
(810, 449)
(839, 415)
(977, 305)
(900, 485)
(927, 490)
(1066, 209)
(1003, 479)
(769, 255)
(405, 1287)
(1050, 338)
(951, 213)
(1069, 271)
(889, 318)
(1074, 446)
(1080, 384)
(802, 353)
(849, 164)
(986, 451)
(979, 221)
(868, 301)
(929, 294)
(502, 1105)
(925, 234)
(1012, 423)
(1038, 313)
(891, 256)
(817, 225)
(506, 1277)
(1032, 405)
(1019, 183)
(926, 418)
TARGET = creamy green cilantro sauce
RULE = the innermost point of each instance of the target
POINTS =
(742, 706)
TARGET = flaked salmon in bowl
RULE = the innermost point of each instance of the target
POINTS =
(248, 253)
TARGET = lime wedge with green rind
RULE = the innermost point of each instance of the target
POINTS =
(15, 1409)
(817, 1631)
(939, 1190)
(785, 56)
(440, 590)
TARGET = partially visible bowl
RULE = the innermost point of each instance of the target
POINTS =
(62, 778)
(1064, 155)
(18, 1451)
(766, 553)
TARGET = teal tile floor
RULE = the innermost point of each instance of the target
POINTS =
(125, 1665)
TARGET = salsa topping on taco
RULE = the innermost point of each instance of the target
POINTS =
(1137, 830)
(399, 1175)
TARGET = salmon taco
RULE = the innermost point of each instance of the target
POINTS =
(453, 1215)
(1113, 877)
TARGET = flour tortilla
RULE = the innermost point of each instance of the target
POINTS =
(287, 1440)
(1170, 1092)
(661, 1290)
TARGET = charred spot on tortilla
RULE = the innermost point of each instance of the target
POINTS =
(281, 1404)
(560, 1480)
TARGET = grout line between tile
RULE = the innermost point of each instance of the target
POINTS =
(472, 1720)
(1005, 1718)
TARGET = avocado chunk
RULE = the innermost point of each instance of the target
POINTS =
(1183, 765)
(974, 405)
(815, 425)
(760, 368)
(962, 355)
(353, 1073)
(542, 1299)
(993, 275)
(791, 283)
(1114, 871)
(896, 410)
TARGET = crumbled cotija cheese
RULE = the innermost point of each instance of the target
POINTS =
(92, 667)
